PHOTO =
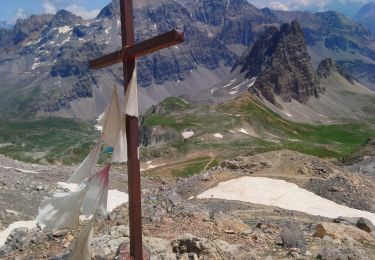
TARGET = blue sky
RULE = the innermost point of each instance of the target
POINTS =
(12, 9)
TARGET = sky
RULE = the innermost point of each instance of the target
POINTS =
(348, 7)
(12, 10)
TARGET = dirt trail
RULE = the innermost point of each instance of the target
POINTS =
(208, 164)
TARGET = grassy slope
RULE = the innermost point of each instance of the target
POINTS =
(68, 141)
(323, 140)
(55, 139)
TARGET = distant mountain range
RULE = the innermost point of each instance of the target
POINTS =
(43, 59)
(5, 25)
(366, 16)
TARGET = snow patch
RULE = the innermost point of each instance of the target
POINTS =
(5, 145)
(251, 84)
(187, 134)
(282, 194)
(286, 113)
(243, 131)
(233, 92)
(213, 91)
(64, 29)
(218, 135)
(6, 232)
(115, 197)
(36, 64)
(65, 41)
(229, 84)
(17, 169)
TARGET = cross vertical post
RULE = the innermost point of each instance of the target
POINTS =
(134, 178)
(127, 55)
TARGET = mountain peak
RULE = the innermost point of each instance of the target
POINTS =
(109, 10)
(62, 18)
(281, 63)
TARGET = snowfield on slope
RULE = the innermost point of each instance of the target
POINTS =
(279, 193)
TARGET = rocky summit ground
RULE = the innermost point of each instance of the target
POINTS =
(177, 225)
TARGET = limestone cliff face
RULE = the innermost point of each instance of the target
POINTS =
(281, 63)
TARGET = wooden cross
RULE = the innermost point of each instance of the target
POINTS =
(129, 52)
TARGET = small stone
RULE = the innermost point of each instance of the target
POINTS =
(60, 233)
(267, 164)
(247, 232)
(308, 253)
(327, 239)
(346, 220)
(303, 170)
(295, 254)
(365, 225)
(293, 237)
(230, 231)
(207, 176)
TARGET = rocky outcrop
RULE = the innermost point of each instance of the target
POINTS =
(328, 66)
(281, 63)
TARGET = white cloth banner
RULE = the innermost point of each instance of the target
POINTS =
(85, 169)
(95, 198)
(111, 121)
(81, 248)
(120, 151)
(64, 209)
(131, 96)
(61, 211)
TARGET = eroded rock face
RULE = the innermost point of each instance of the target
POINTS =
(281, 63)
(328, 66)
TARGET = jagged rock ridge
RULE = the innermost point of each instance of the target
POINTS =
(281, 63)
(328, 66)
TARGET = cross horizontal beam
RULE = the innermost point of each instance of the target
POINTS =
(140, 49)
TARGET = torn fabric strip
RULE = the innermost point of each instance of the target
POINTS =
(61, 211)
(120, 152)
(111, 121)
(131, 96)
(96, 195)
(81, 249)
(85, 169)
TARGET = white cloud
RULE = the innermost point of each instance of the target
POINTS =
(49, 7)
(279, 6)
(82, 11)
(20, 14)
(315, 5)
